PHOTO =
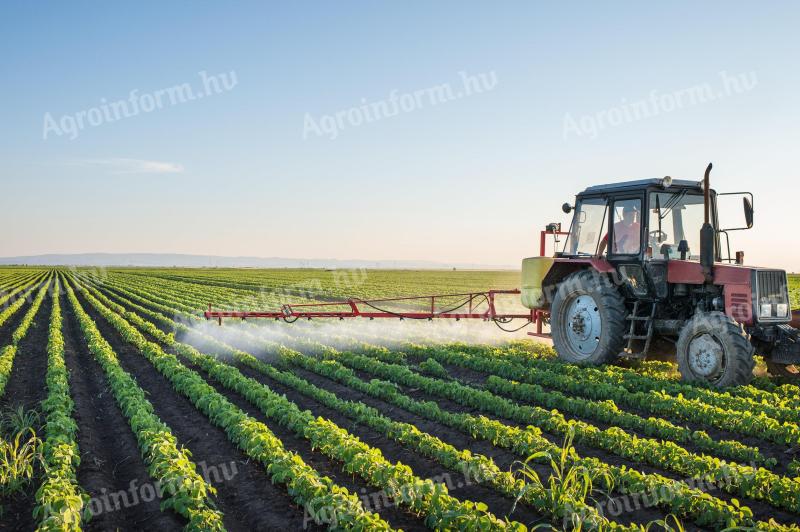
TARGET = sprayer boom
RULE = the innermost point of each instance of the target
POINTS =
(474, 305)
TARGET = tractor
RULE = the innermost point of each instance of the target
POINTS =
(644, 272)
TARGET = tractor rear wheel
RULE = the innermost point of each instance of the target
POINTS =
(712, 348)
(587, 319)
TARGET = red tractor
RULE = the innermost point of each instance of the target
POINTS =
(644, 270)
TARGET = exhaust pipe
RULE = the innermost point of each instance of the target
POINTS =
(707, 232)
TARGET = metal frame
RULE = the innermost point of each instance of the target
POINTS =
(472, 301)
(539, 316)
(291, 313)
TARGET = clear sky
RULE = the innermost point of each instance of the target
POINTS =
(345, 129)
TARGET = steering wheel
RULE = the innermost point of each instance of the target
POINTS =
(658, 236)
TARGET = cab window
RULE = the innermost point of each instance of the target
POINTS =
(676, 217)
(588, 227)
(627, 230)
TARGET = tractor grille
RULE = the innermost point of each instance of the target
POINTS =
(771, 289)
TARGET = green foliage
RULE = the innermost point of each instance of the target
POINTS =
(524, 384)
(59, 500)
(794, 291)
(186, 491)
(8, 352)
(318, 494)
(433, 368)
(18, 458)
(16, 420)
(568, 487)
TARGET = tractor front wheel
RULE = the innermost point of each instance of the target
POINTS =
(713, 348)
(588, 319)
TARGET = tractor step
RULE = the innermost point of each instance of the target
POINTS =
(631, 336)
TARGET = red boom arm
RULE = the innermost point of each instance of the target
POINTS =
(373, 308)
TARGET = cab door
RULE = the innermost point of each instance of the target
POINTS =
(626, 241)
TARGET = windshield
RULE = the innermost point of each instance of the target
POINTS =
(675, 216)
(588, 226)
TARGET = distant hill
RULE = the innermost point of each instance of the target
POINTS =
(213, 261)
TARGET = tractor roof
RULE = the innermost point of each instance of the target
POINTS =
(642, 184)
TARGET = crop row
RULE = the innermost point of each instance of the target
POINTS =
(187, 493)
(741, 398)
(607, 412)
(9, 352)
(703, 508)
(325, 501)
(230, 296)
(423, 496)
(10, 283)
(757, 483)
(19, 296)
(584, 383)
(603, 411)
(676, 497)
(59, 499)
(408, 435)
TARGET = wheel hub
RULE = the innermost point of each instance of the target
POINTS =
(706, 356)
(584, 325)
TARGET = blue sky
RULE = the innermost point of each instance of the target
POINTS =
(470, 179)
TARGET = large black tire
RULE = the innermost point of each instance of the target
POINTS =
(713, 348)
(587, 297)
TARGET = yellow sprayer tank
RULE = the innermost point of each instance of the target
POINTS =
(534, 270)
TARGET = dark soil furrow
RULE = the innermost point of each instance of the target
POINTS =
(26, 384)
(760, 509)
(505, 459)
(26, 389)
(394, 452)
(767, 448)
(770, 450)
(395, 516)
(243, 486)
(110, 458)
(8, 328)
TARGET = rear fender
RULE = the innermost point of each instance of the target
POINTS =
(559, 269)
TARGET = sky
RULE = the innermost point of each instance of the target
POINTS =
(446, 131)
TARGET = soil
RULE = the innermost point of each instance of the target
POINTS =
(248, 500)
(110, 459)
(26, 389)
(760, 509)
(394, 452)
(241, 496)
(767, 448)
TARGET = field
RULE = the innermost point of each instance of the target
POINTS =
(123, 409)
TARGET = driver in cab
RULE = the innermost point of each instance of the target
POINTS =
(627, 233)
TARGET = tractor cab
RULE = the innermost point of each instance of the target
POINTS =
(637, 227)
(638, 220)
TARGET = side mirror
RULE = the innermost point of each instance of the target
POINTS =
(567, 208)
(748, 211)
(747, 203)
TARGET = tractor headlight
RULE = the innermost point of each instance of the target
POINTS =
(666, 182)
(765, 311)
(783, 310)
